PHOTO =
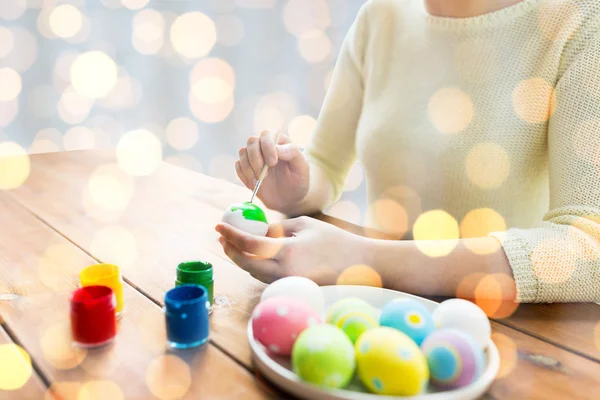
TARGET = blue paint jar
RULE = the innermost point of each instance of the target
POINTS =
(186, 314)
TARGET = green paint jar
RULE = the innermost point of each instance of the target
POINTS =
(196, 273)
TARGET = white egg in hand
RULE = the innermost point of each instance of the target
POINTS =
(466, 317)
(247, 217)
(302, 289)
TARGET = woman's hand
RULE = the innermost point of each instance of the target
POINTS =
(296, 247)
(287, 180)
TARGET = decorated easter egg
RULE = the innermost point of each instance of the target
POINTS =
(247, 217)
(455, 359)
(408, 316)
(390, 363)
(466, 317)
(353, 316)
(278, 321)
(299, 288)
(324, 356)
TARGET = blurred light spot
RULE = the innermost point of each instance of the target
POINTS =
(94, 74)
(148, 31)
(436, 233)
(168, 377)
(15, 367)
(552, 267)
(314, 46)
(361, 275)
(212, 90)
(10, 84)
(63, 391)
(135, 4)
(272, 109)
(24, 52)
(40, 146)
(508, 354)
(57, 347)
(110, 187)
(84, 32)
(73, 108)
(301, 16)
(488, 295)
(62, 70)
(8, 111)
(215, 68)
(127, 93)
(42, 101)
(210, 112)
(450, 110)
(355, 177)
(65, 21)
(116, 245)
(182, 133)
(301, 129)
(584, 135)
(223, 167)
(230, 29)
(346, 210)
(487, 165)
(255, 3)
(54, 263)
(186, 161)
(388, 216)
(193, 35)
(6, 41)
(100, 390)
(112, 4)
(12, 9)
(222, 6)
(479, 223)
(534, 100)
(139, 152)
(14, 164)
(558, 20)
(466, 288)
(102, 366)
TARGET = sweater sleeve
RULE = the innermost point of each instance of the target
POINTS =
(332, 146)
(559, 260)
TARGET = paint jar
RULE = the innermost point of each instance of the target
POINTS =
(196, 273)
(93, 319)
(105, 275)
(186, 316)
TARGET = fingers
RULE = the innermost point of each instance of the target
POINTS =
(259, 246)
(265, 269)
(267, 146)
(255, 156)
(288, 152)
(290, 227)
(246, 170)
(241, 175)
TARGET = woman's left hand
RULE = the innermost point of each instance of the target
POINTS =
(297, 247)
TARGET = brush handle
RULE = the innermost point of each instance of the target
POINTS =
(265, 167)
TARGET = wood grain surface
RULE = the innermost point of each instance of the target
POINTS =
(169, 216)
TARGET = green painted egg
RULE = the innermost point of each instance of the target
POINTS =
(353, 316)
(323, 355)
(247, 217)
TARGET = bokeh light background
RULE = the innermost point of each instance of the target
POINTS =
(184, 81)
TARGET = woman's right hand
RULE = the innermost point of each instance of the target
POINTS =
(287, 180)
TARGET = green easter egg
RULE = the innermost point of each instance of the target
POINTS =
(340, 307)
(250, 211)
(323, 355)
(355, 323)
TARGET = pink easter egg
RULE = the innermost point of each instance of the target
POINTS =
(278, 321)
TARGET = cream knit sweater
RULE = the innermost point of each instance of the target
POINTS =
(498, 113)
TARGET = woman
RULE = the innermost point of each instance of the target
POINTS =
(486, 109)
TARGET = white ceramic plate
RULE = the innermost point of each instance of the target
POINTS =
(278, 369)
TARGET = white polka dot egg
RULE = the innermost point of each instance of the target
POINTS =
(297, 287)
(278, 321)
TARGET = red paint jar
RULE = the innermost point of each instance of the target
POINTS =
(93, 320)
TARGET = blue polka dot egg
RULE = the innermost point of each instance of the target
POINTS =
(409, 317)
(390, 363)
(455, 359)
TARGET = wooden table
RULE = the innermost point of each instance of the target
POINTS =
(52, 226)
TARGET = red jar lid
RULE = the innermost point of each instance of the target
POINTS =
(93, 320)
